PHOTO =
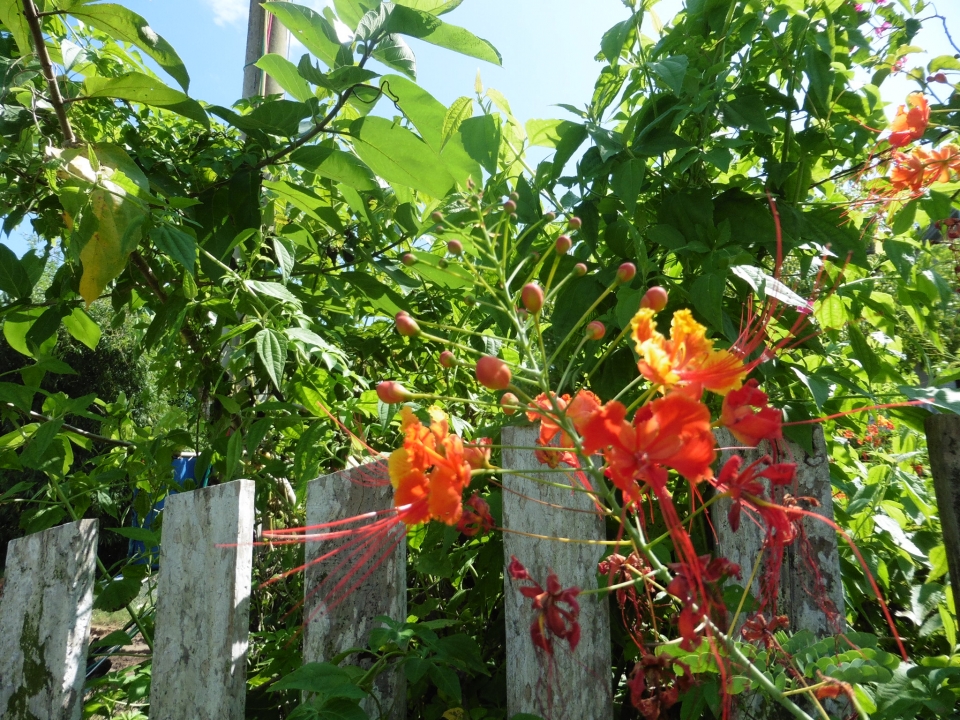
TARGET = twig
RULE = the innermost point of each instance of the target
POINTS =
(56, 99)
(74, 429)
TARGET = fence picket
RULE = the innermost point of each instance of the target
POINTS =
(45, 622)
(203, 599)
(348, 624)
(579, 682)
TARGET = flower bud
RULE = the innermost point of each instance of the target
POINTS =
(493, 373)
(579, 269)
(443, 264)
(406, 325)
(509, 403)
(409, 259)
(510, 206)
(447, 359)
(563, 244)
(595, 330)
(575, 222)
(940, 78)
(626, 272)
(437, 216)
(392, 392)
(655, 298)
(455, 247)
(470, 299)
(532, 297)
(514, 196)
(438, 229)
(550, 216)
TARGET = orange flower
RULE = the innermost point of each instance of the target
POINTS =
(430, 472)
(909, 125)
(908, 171)
(688, 359)
(673, 432)
(747, 425)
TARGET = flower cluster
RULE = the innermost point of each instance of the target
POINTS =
(556, 610)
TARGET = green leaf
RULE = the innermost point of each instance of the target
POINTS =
(235, 445)
(672, 71)
(122, 24)
(943, 62)
(11, 15)
(352, 11)
(863, 352)
(337, 165)
(17, 324)
(272, 350)
(820, 77)
(336, 81)
(427, 27)
(398, 156)
(14, 280)
(460, 110)
(306, 200)
(310, 28)
(611, 45)
(626, 181)
(34, 455)
(116, 638)
(707, 296)
(150, 538)
(118, 594)
(446, 681)
(278, 117)
(45, 327)
(940, 397)
(393, 52)
(286, 74)
(382, 297)
(177, 244)
(83, 328)
(20, 396)
(903, 222)
(339, 708)
(322, 678)
(434, 7)
(137, 87)
(286, 256)
(481, 139)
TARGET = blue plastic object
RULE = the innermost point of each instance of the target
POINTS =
(184, 468)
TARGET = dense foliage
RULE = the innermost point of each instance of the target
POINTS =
(247, 263)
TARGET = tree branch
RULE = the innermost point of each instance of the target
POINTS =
(56, 99)
(72, 428)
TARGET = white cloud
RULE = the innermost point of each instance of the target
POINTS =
(228, 12)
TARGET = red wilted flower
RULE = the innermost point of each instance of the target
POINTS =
(556, 610)
(476, 517)
(654, 685)
(909, 125)
(430, 472)
(747, 425)
(687, 359)
(758, 629)
(493, 373)
(685, 586)
(673, 431)
(736, 482)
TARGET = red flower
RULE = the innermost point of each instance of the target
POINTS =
(556, 610)
(747, 425)
(673, 432)
(688, 584)
(477, 453)
(736, 483)
(542, 408)
(909, 125)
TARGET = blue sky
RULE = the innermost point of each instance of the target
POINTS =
(548, 49)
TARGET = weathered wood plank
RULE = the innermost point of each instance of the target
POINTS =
(943, 447)
(203, 599)
(45, 622)
(577, 685)
(330, 631)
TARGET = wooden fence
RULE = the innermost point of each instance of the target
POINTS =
(204, 586)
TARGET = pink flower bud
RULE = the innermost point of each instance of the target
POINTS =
(596, 330)
(575, 223)
(550, 216)
(447, 359)
(493, 373)
(563, 244)
(392, 392)
(409, 259)
(455, 247)
(532, 297)
(406, 325)
(579, 269)
(510, 206)
(509, 403)
(655, 298)
(437, 216)
(626, 272)
(514, 196)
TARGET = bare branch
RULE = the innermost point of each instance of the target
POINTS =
(56, 99)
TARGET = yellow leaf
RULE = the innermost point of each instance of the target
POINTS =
(455, 714)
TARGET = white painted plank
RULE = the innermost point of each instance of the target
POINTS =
(574, 685)
(348, 624)
(45, 622)
(203, 600)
